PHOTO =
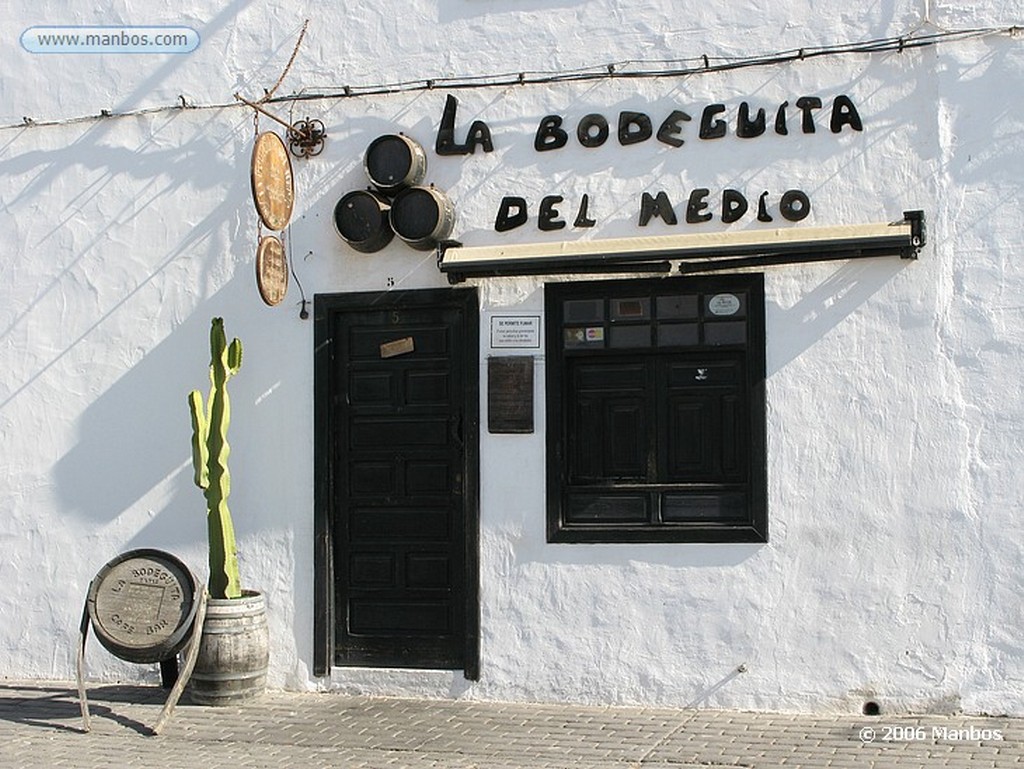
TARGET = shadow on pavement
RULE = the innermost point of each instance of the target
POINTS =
(58, 707)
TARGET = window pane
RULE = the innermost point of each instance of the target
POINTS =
(630, 336)
(583, 310)
(731, 332)
(677, 334)
(677, 307)
(631, 309)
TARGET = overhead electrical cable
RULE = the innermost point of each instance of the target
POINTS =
(626, 69)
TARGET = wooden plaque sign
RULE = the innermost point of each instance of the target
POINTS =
(273, 188)
(402, 346)
(510, 394)
(142, 604)
(271, 270)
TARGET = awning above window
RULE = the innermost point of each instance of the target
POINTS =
(700, 252)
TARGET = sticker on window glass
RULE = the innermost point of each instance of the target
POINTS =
(589, 336)
(724, 304)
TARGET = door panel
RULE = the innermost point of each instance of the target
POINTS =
(705, 416)
(609, 426)
(677, 416)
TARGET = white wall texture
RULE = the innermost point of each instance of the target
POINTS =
(895, 411)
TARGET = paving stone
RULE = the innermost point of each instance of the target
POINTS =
(40, 726)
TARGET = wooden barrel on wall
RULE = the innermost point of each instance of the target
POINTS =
(361, 219)
(422, 216)
(234, 651)
(394, 162)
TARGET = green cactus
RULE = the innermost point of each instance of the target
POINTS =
(210, 452)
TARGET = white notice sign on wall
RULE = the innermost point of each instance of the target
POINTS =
(515, 331)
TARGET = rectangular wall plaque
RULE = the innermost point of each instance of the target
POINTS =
(510, 394)
(509, 331)
(398, 347)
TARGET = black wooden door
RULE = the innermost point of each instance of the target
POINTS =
(397, 397)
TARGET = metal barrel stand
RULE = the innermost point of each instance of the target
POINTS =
(145, 606)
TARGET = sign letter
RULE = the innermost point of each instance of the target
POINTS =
(844, 113)
(659, 206)
(511, 213)
(550, 134)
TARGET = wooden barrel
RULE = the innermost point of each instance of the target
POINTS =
(361, 219)
(422, 216)
(394, 162)
(142, 605)
(234, 651)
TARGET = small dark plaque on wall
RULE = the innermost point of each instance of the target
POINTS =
(510, 394)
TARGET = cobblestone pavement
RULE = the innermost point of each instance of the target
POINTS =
(41, 726)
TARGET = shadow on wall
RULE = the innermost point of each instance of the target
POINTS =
(135, 436)
(450, 12)
(133, 457)
(187, 165)
(795, 329)
(132, 437)
(90, 144)
(196, 155)
(879, 21)
(986, 145)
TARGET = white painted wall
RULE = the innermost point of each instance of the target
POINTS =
(895, 416)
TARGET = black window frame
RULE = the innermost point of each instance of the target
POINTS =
(567, 353)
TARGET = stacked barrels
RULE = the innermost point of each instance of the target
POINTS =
(397, 203)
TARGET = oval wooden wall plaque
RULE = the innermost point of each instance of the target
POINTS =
(273, 188)
(271, 270)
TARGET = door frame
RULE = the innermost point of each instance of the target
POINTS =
(325, 307)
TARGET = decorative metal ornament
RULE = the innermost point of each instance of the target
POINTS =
(306, 138)
(271, 270)
(273, 188)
